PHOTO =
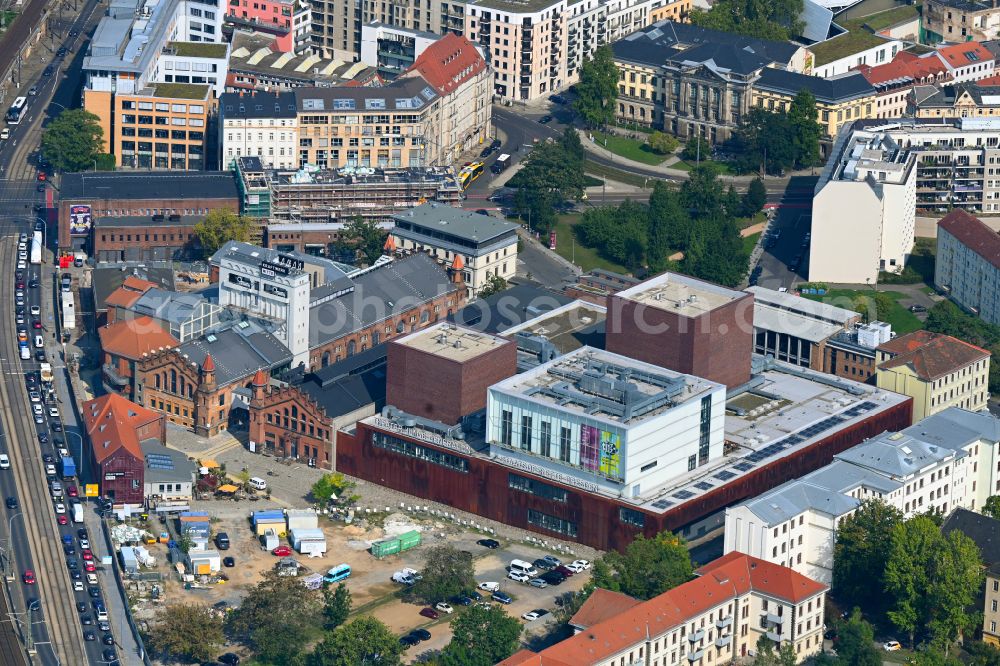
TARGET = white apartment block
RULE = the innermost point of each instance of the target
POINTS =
(864, 207)
(261, 124)
(944, 462)
(875, 55)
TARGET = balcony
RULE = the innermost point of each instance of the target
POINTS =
(724, 622)
(775, 619)
(969, 188)
(696, 636)
(773, 636)
(695, 656)
(723, 641)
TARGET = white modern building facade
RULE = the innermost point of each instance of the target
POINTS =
(864, 207)
(263, 125)
(619, 424)
(875, 55)
(944, 462)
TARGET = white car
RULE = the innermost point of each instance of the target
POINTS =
(91, 578)
(35, 397)
(583, 564)
(78, 586)
(489, 586)
(36, 310)
(4, 461)
(519, 577)
(22, 255)
(84, 544)
(443, 607)
(54, 412)
(21, 265)
(60, 508)
(531, 616)
(36, 408)
(891, 646)
(50, 470)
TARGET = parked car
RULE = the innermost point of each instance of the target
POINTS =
(501, 597)
(891, 646)
(519, 577)
(918, 308)
(408, 641)
(546, 119)
(430, 613)
(282, 551)
(492, 544)
(462, 600)
(28, 577)
(422, 634)
(531, 616)
(489, 586)
(444, 608)
(538, 582)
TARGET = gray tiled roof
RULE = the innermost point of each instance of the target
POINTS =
(832, 91)
(411, 93)
(956, 428)
(257, 105)
(238, 351)
(175, 307)
(685, 43)
(182, 471)
(897, 455)
(378, 294)
(137, 185)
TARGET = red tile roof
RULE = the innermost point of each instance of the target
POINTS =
(973, 233)
(931, 355)
(111, 422)
(601, 605)
(718, 582)
(966, 53)
(448, 63)
(134, 337)
(127, 294)
(905, 64)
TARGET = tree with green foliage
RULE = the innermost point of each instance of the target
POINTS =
(982, 654)
(761, 142)
(219, 227)
(906, 572)
(697, 149)
(597, 90)
(447, 572)
(336, 606)
(333, 486)
(72, 140)
(956, 579)
(662, 143)
(367, 237)
(669, 225)
(992, 507)
(188, 632)
(481, 636)
(859, 555)
(702, 192)
(803, 121)
(770, 655)
(873, 305)
(494, 285)
(754, 198)
(276, 618)
(619, 232)
(766, 19)
(551, 174)
(647, 568)
(856, 642)
(717, 253)
(945, 317)
(364, 640)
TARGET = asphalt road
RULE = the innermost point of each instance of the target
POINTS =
(791, 223)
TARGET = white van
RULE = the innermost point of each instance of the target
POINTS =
(522, 567)
(4, 461)
(25, 353)
(258, 483)
(5, 133)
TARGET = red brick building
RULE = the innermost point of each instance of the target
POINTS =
(124, 343)
(442, 372)
(116, 427)
(290, 423)
(123, 297)
(686, 325)
(199, 383)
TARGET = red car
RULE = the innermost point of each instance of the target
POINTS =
(41, 176)
(89, 567)
(71, 491)
(36, 324)
(62, 519)
(430, 612)
(28, 577)
(87, 554)
(282, 551)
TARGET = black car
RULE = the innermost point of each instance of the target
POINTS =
(462, 600)
(552, 577)
(43, 437)
(40, 187)
(57, 427)
(230, 658)
(408, 641)
(81, 533)
(33, 283)
(557, 99)
(476, 596)
(81, 606)
(89, 635)
(109, 654)
(48, 71)
(486, 152)
(918, 308)
(40, 355)
(542, 564)
(69, 549)
(546, 119)
(48, 459)
(422, 634)
(228, 562)
(94, 591)
(61, 52)
(108, 639)
(86, 620)
(74, 33)
(492, 544)
(496, 144)
(11, 502)
(75, 574)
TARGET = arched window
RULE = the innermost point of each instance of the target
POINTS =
(326, 359)
(375, 338)
(156, 380)
(351, 346)
(400, 327)
(173, 381)
(182, 385)
(424, 316)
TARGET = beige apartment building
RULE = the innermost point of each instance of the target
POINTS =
(937, 371)
(958, 21)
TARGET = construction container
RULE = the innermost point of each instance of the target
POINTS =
(277, 526)
(409, 540)
(129, 561)
(301, 519)
(385, 547)
(310, 534)
(268, 515)
(204, 562)
(269, 540)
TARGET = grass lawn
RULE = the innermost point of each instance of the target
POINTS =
(722, 167)
(628, 148)
(859, 35)
(750, 242)
(901, 319)
(584, 257)
(610, 173)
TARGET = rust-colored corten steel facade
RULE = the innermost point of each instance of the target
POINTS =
(714, 342)
(441, 388)
(483, 487)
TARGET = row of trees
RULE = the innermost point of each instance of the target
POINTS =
(909, 573)
(778, 140)
(699, 219)
(550, 175)
(946, 317)
(767, 19)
